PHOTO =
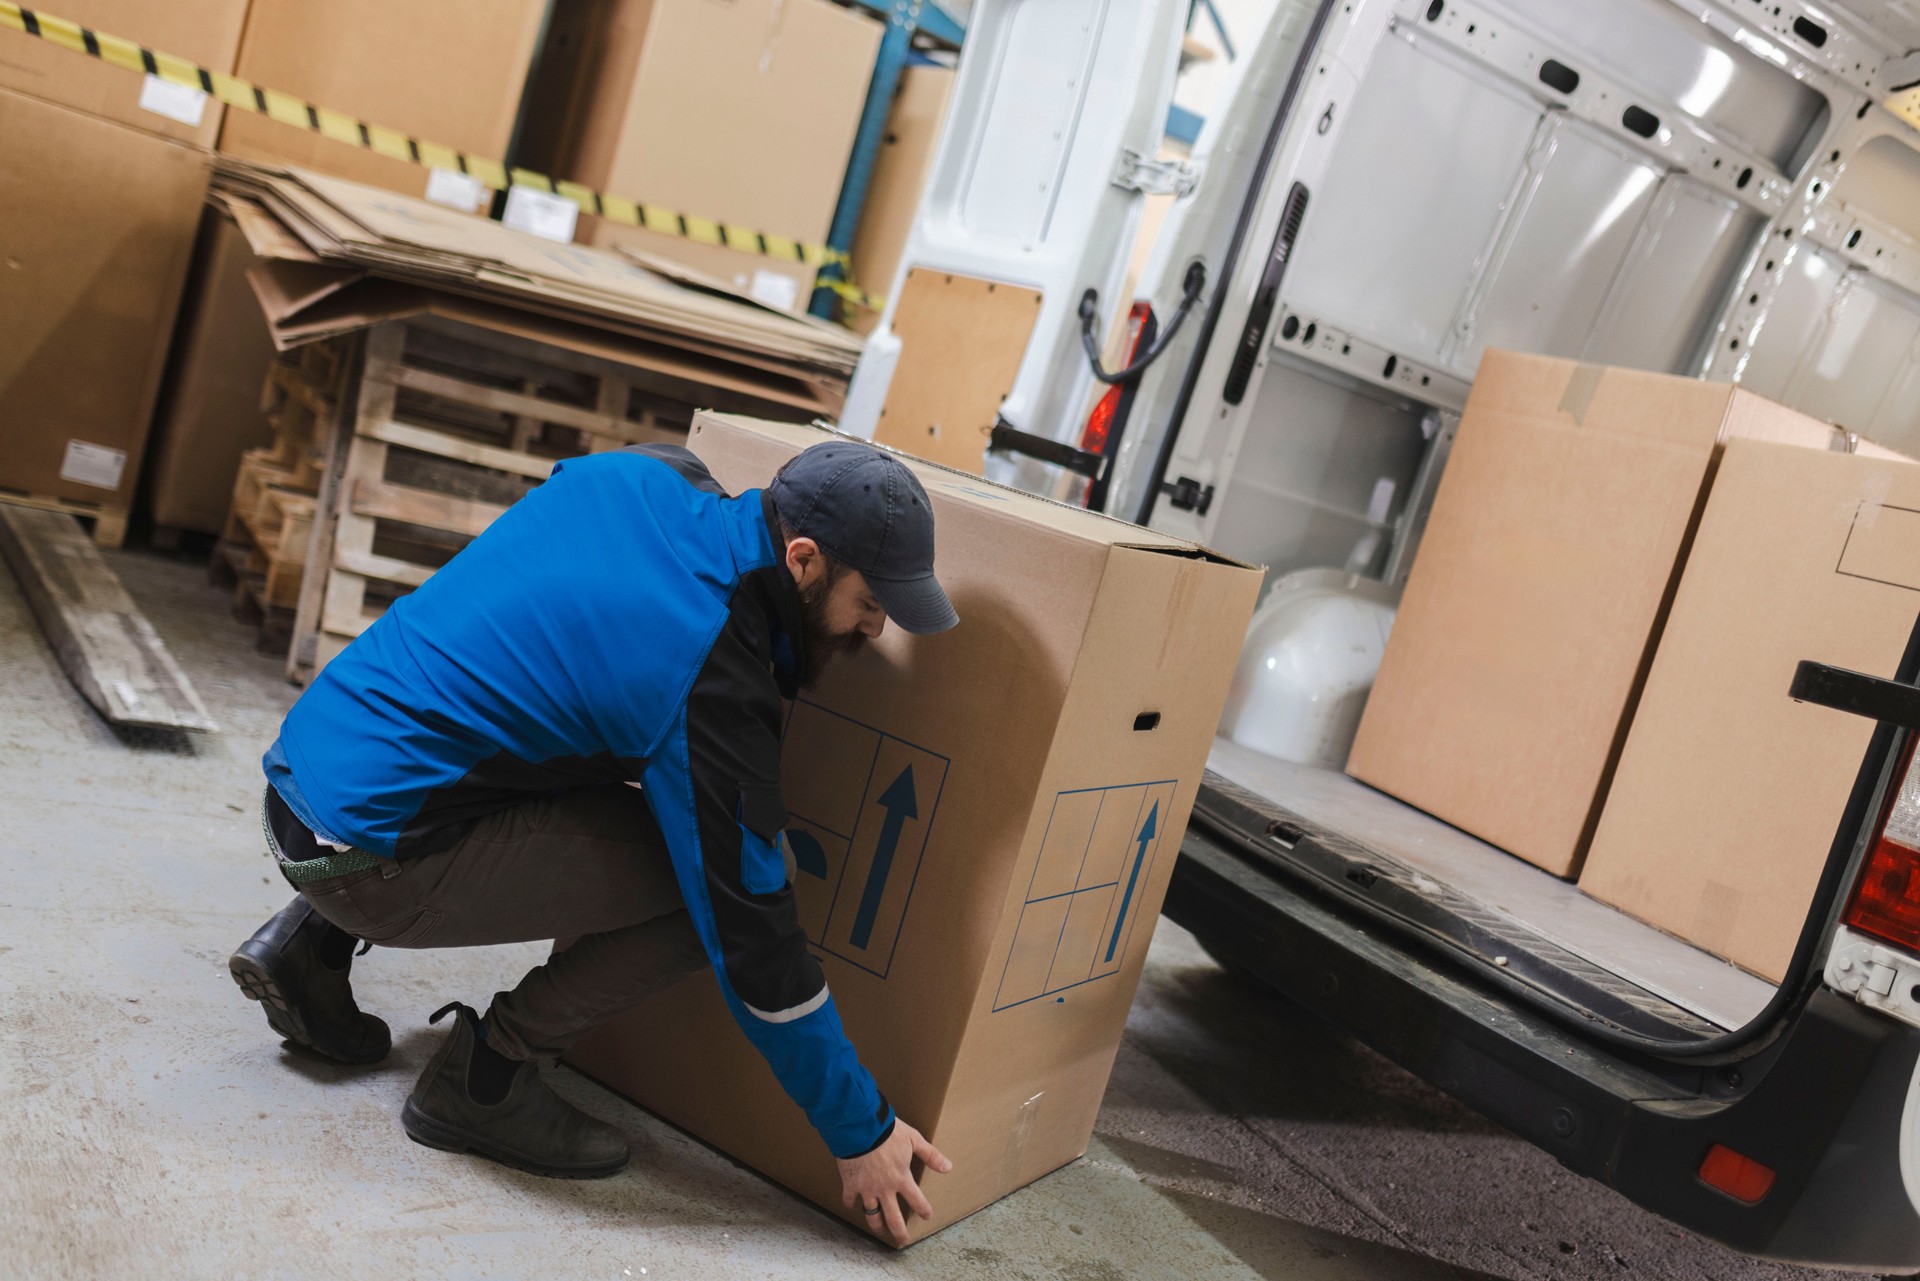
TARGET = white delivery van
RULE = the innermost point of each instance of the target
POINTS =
(1706, 187)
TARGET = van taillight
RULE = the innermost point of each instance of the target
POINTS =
(1107, 408)
(1886, 899)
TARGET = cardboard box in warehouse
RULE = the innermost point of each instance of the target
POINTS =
(451, 72)
(203, 32)
(739, 111)
(899, 178)
(96, 229)
(210, 405)
(1556, 538)
(1729, 793)
(983, 824)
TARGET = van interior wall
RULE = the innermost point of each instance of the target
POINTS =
(1527, 229)
(1323, 479)
(1463, 208)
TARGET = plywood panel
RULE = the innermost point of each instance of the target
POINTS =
(961, 340)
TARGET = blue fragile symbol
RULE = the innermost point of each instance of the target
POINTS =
(1086, 891)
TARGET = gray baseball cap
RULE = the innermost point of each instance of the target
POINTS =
(866, 509)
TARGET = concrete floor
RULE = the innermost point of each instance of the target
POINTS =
(153, 1127)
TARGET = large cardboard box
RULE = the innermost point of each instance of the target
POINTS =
(900, 174)
(1729, 793)
(739, 111)
(96, 229)
(1555, 542)
(984, 824)
(204, 32)
(446, 71)
(210, 407)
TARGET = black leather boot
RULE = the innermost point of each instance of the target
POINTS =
(531, 1129)
(307, 1001)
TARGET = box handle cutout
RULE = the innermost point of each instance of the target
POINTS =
(1146, 721)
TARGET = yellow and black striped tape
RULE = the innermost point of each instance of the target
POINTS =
(298, 113)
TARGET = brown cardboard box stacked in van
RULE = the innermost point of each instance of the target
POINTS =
(446, 71)
(210, 412)
(1556, 539)
(204, 32)
(983, 824)
(627, 102)
(1728, 793)
(96, 230)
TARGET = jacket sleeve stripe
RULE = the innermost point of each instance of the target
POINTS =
(800, 1011)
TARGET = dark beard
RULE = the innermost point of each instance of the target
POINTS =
(820, 646)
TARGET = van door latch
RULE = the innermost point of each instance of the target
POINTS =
(1188, 494)
(1152, 176)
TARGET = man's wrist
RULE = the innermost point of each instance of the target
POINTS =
(886, 1132)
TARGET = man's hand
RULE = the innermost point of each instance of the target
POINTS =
(876, 1183)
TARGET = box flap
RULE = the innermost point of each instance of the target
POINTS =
(1073, 522)
(1626, 402)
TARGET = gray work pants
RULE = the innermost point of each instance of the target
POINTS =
(590, 865)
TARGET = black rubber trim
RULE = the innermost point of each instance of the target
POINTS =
(1309, 49)
(1253, 337)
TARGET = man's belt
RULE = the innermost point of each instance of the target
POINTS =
(343, 863)
(328, 865)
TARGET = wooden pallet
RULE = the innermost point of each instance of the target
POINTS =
(261, 555)
(450, 425)
(109, 522)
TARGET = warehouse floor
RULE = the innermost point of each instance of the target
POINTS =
(153, 1127)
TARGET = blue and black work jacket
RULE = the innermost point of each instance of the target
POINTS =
(627, 621)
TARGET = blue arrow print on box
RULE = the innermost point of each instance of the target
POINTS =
(898, 802)
(1145, 838)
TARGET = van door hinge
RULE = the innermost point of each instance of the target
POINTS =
(1188, 494)
(1153, 176)
(1880, 977)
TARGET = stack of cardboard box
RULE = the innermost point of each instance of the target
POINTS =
(629, 100)
(1591, 661)
(102, 177)
(105, 175)
(447, 71)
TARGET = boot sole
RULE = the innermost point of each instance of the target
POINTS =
(427, 1132)
(256, 983)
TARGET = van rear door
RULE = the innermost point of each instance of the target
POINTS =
(1052, 138)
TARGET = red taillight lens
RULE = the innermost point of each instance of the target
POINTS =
(1886, 899)
(1100, 421)
(1740, 1177)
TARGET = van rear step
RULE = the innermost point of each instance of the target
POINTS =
(1506, 951)
(1812, 1106)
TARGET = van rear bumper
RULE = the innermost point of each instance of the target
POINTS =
(1823, 1107)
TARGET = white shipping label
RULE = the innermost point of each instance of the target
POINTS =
(455, 190)
(774, 289)
(539, 214)
(176, 102)
(94, 465)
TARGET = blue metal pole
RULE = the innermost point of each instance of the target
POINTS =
(903, 17)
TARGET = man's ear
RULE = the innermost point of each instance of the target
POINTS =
(804, 559)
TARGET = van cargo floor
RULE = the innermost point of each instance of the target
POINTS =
(1504, 886)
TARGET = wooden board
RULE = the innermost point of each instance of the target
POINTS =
(109, 523)
(106, 644)
(961, 340)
